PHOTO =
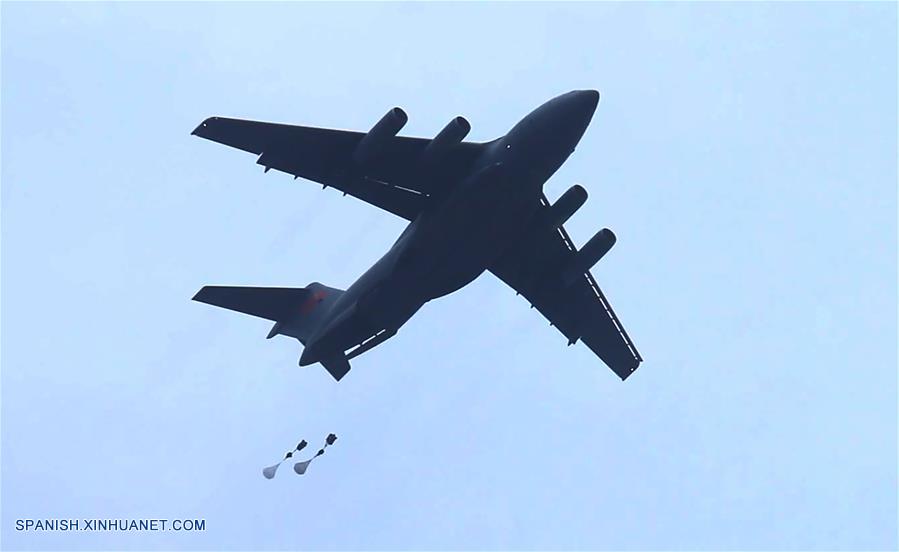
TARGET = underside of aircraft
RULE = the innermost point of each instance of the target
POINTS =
(471, 207)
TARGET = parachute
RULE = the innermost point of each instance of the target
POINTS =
(300, 467)
(270, 471)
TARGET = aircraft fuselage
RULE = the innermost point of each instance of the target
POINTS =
(448, 246)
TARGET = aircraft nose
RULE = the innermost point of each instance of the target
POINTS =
(587, 98)
(579, 108)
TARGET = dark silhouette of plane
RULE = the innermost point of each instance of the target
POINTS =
(472, 207)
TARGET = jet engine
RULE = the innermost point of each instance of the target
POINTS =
(451, 135)
(379, 135)
(589, 255)
(565, 206)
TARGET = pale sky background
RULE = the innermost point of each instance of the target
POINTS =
(744, 154)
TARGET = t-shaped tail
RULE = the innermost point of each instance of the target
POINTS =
(296, 312)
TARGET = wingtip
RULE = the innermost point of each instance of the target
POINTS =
(629, 373)
(200, 128)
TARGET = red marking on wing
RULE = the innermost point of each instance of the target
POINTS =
(310, 304)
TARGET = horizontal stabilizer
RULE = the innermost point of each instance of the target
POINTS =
(337, 366)
(272, 303)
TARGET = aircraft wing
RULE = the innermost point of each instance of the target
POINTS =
(579, 311)
(392, 181)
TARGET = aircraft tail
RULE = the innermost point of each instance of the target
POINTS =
(296, 312)
(337, 366)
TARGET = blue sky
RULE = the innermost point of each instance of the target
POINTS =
(744, 154)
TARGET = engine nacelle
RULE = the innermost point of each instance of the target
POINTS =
(373, 143)
(451, 135)
(589, 255)
(560, 211)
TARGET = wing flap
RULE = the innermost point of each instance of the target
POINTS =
(399, 201)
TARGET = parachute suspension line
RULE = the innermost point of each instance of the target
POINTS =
(270, 471)
(299, 467)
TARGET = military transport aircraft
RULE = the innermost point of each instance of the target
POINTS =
(472, 207)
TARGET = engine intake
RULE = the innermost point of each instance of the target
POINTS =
(452, 134)
(560, 211)
(377, 138)
(589, 255)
